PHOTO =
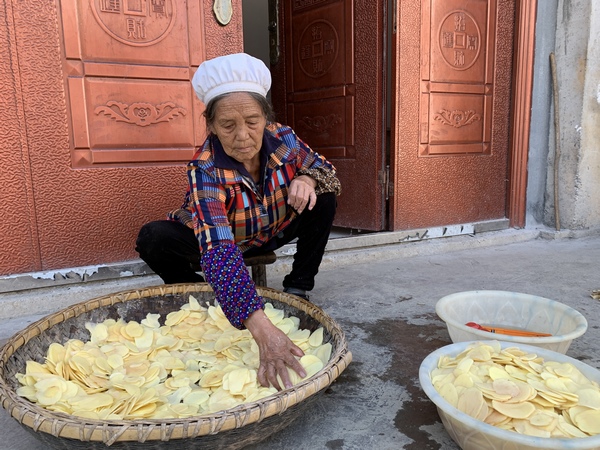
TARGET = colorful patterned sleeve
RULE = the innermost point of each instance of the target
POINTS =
(222, 261)
(209, 214)
(225, 271)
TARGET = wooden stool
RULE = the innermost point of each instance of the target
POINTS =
(258, 264)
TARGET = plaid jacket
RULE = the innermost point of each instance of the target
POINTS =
(230, 213)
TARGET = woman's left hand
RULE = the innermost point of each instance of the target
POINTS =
(302, 193)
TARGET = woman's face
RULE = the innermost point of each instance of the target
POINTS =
(239, 123)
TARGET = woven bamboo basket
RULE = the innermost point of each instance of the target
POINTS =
(229, 429)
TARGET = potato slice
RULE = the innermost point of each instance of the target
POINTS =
(56, 353)
(312, 364)
(487, 389)
(542, 419)
(134, 329)
(35, 368)
(464, 380)
(197, 397)
(449, 393)
(497, 373)
(222, 343)
(285, 325)
(323, 352)
(589, 397)
(237, 379)
(211, 379)
(526, 392)
(145, 340)
(471, 402)
(50, 390)
(151, 321)
(179, 395)
(506, 386)
(29, 392)
(193, 304)
(569, 429)
(98, 332)
(496, 419)
(464, 366)
(480, 353)
(91, 402)
(175, 317)
(299, 336)
(140, 412)
(588, 421)
(220, 400)
(274, 315)
(514, 410)
(316, 337)
(525, 427)
(251, 359)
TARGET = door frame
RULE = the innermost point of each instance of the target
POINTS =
(521, 111)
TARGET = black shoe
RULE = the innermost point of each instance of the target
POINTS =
(297, 292)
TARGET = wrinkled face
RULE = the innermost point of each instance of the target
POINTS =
(239, 124)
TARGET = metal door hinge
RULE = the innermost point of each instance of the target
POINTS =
(384, 180)
(274, 50)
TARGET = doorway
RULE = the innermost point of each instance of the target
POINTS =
(328, 63)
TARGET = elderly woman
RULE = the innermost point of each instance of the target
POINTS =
(253, 187)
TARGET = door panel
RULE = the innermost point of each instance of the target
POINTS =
(452, 168)
(333, 77)
(458, 75)
(132, 56)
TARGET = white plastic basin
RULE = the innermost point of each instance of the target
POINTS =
(473, 434)
(511, 309)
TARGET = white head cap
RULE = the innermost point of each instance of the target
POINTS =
(239, 72)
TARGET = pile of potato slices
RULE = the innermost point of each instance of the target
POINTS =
(519, 391)
(195, 363)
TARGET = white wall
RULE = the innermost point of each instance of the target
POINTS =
(578, 66)
(541, 115)
(570, 29)
(587, 202)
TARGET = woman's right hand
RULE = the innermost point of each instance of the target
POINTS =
(277, 352)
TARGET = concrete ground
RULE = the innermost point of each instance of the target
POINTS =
(384, 299)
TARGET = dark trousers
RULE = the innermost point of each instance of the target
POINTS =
(172, 251)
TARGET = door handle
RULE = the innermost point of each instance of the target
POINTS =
(274, 50)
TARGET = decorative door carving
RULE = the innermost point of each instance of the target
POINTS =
(457, 78)
(128, 66)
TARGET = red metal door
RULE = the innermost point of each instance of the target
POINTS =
(328, 85)
(451, 120)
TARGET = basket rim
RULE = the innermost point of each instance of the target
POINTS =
(110, 431)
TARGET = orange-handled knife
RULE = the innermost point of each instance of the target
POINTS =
(507, 331)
